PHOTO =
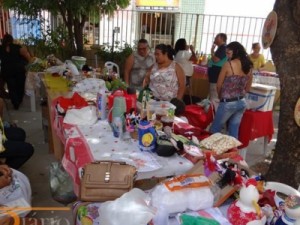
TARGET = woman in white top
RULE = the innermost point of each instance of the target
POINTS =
(184, 57)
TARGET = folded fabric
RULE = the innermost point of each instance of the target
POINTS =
(220, 143)
(76, 101)
(84, 116)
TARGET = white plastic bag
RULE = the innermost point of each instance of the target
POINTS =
(92, 85)
(131, 208)
(18, 188)
(17, 194)
(84, 116)
(184, 199)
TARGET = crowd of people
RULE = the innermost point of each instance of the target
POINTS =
(166, 72)
(229, 73)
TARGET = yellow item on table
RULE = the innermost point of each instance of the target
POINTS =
(56, 83)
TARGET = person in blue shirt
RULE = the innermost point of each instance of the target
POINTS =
(217, 60)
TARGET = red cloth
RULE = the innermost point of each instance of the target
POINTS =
(76, 101)
(255, 124)
(187, 130)
(200, 72)
(197, 116)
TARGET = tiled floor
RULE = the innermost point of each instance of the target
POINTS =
(37, 168)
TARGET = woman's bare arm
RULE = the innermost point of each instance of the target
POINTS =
(181, 81)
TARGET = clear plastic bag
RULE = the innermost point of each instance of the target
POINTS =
(181, 193)
(61, 184)
(131, 208)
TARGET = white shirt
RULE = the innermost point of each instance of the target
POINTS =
(182, 58)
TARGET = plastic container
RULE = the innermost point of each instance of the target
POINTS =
(79, 61)
(167, 121)
(160, 108)
(101, 104)
(130, 100)
(260, 97)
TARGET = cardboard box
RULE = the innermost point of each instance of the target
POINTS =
(261, 97)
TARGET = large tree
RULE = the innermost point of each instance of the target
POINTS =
(285, 166)
(74, 13)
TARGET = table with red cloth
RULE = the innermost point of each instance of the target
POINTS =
(199, 81)
(256, 124)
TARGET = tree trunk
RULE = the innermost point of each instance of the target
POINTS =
(78, 34)
(285, 166)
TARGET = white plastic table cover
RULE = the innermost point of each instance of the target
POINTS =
(96, 142)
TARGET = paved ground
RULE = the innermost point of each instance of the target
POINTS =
(37, 168)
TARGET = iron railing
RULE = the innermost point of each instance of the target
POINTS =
(127, 26)
(198, 29)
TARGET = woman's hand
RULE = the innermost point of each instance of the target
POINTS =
(5, 176)
(5, 170)
(5, 181)
(192, 48)
(146, 82)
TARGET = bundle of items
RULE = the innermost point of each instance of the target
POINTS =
(221, 145)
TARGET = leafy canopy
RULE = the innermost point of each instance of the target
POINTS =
(78, 8)
(74, 13)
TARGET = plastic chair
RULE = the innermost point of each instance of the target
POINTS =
(110, 67)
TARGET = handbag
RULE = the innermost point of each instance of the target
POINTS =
(106, 180)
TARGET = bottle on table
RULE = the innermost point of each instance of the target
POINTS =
(101, 104)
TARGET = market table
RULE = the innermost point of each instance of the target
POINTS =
(256, 124)
(54, 87)
(199, 81)
(78, 145)
(32, 84)
(88, 143)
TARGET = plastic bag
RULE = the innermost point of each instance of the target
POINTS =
(131, 208)
(61, 184)
(181, 193)
(84, 116)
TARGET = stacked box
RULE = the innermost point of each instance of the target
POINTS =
(261, 97)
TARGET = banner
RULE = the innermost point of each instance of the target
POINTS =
(157, 4)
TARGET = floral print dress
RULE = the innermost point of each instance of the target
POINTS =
(164, 82)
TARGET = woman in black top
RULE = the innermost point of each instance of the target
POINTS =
(14, 58)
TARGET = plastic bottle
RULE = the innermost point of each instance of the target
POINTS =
(101, 104)
(117, 127)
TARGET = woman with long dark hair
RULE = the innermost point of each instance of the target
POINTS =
(234, 81)
(14, 58)
(184, 57)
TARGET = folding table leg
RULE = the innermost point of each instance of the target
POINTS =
(243, 153)
(265, 145)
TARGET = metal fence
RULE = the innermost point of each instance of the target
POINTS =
(127, 26)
